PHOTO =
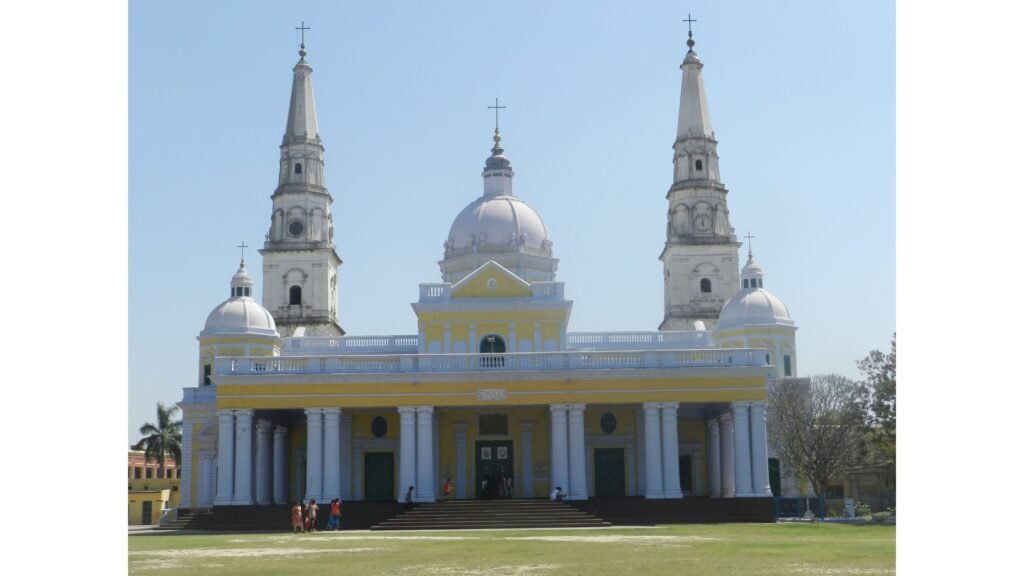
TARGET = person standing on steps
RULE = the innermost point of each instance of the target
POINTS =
(408, 499)
(556, 494)
(446, 489)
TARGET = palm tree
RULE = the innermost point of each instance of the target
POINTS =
(162, 439)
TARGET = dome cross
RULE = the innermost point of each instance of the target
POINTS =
(750, 245)
(302, 29)
(496, 108)
(689, 27)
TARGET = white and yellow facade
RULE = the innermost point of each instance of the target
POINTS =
(493, 383)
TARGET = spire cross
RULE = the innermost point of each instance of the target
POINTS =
(496, 108)
(689, 24)
(302, 27)
(243, 246)
(750, 245)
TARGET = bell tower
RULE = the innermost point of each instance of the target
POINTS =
(701, 255)
(300, 265)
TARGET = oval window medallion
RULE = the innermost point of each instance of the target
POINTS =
(608, 423)
(379, 427)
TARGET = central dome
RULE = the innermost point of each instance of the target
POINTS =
(498, 224)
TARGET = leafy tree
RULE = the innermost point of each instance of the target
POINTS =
(817, 427)
(163, 438)
(880, 399)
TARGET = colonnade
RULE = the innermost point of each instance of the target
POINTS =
(737, 443)
(252, 457)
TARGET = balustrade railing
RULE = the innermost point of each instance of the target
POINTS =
(408, 363)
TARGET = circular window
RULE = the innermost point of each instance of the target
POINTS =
(379, 427)
(295, 228)
(608, 422)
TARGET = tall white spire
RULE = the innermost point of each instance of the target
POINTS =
(300, 265)
(701, 252)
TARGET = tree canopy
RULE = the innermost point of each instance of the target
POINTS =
(162, 439)
(817, 426)
(880, 399)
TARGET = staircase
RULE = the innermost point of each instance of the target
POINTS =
(463, 514)
(188, 520)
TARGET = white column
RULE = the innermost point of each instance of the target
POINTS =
(641, 468)
(346, 457)
(243, 458)
(759, 450)
(436, 460)
(225, 458)
(577, 454)
(472, 347)
(524, 484)
(670, 450)
(559, 448)
(714, 460)
(447, 346)
(206, 489)
(407, 450)
(652, 450)
(263, 462)
(425, 454)
(538, 344)
(513, 343)
(332, 454)
(728, 459)
(280, 465)
(741, 417)
(314, 454)
(185, 486)
(460, 459)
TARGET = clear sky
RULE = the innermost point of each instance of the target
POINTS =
(801, 96)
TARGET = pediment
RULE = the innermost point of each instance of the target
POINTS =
(492, 280)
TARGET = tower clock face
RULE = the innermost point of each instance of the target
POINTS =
(295, 228)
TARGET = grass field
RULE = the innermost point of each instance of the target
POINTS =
(723, 549)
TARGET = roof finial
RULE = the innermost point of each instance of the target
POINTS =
(302, 42)
(750, 246)
(497, 135)
(689, 25)
(243, 246)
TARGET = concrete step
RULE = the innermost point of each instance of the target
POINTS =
(467, 514)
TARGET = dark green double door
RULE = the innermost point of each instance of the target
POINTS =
(609, 472)
(379, 475)
(493, 461)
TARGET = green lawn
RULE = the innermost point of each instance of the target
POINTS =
(722, 549)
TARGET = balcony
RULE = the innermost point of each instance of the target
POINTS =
(525, 361)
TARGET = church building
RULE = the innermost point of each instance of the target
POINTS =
(490, 382)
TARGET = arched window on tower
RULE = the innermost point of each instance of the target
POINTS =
(699, 165)
(705, 286)
(295, 296)
(298, 168)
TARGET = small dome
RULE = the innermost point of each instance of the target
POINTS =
(240, 314)
(503, 223)
(753, 304)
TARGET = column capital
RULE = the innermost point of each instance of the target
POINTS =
(648, 406)
(406, 410)
(424, 409)
(558, 408)
(578, 407)
(526, 425)
(669, 406)
(263, 425)
(331, 411)
(245, 412)
(313, 411)
(740, 405)
(280, 430)
(460, 427)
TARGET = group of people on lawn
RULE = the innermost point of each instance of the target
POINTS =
(304, 519)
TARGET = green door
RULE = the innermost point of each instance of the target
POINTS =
(686, 474)
(494, 461)
(775, 477)
(609, 472)
(147, 512)
(379, 475)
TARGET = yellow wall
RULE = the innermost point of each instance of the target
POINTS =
(156, 497)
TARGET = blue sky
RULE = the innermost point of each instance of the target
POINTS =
(801, 96)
